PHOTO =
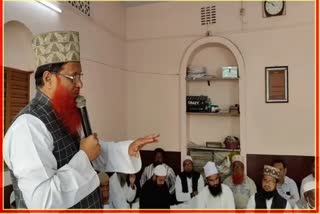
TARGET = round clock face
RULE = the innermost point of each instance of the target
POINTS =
(273, 7)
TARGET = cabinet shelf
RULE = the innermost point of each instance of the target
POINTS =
(210, 78)
(214, 114)
(213, 149)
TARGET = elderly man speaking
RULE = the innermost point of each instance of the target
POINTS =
(51, 166)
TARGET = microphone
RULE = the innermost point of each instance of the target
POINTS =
(81, 104)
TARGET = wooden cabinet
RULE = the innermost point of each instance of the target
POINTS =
(16, 93)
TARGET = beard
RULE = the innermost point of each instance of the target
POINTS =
(65, 108)
(268, 195)
(156, 163)
(158, 186)
(215, 190)
(122, 178)
(188, 174)
(237, 178)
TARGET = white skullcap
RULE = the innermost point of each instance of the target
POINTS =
(310, 185)
(187, 157)
(210, 169)
(12, 197)
(160, 170)
(237, 158)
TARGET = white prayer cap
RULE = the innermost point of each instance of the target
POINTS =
(310, 185)
(12, 197)
(160, 170)
(210, 169)
(237, 158)
(187, 157)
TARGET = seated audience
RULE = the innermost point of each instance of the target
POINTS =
(308, 201)
(147, 173)
(104, 189)
(122, 190)
(287, 187)
(240, 184)
(268, 197)
(155, 192)
(188, 183)
(158, 159)
(305, 180)
(215, 195)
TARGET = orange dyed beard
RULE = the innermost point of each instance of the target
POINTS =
(237, 178)
(64, 105)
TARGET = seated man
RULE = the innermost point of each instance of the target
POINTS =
(158, 159)
(268, 197)
(310, 177)
(155, 193)
(104, 189)
(215, 195)
(188, 183)
(308, 201)
(240, 184)
(122, 190)
(287, 187)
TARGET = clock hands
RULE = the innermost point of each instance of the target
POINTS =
(270, 2)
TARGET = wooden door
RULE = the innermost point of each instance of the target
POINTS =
(16, 93)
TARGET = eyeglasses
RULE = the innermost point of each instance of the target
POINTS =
(74, 78)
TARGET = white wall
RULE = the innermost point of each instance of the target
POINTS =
(159, 34)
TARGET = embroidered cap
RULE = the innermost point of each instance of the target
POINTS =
(56, 47)
(272, 171)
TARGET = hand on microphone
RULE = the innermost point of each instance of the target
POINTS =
(90, 145)
(140, 142)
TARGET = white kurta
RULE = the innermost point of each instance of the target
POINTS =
(305, 180)
(119, 196)
(205, 200)
(252, 203)
(241, 192)
(182, 196)
(28, 147)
